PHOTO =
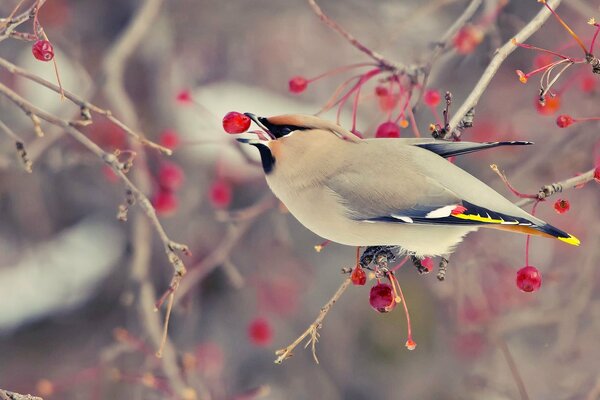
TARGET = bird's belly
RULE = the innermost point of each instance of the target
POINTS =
(321, 212)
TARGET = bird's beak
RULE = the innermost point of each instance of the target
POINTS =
(262, 123)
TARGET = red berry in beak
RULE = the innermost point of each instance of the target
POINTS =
(43, 50)
(235, 122)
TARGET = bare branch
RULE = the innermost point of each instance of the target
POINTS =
(513, 369)
(501, 55)
(313, 329)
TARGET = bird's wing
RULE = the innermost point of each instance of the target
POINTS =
(395, 189)
(447, 149)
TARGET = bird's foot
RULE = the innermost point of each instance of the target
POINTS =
(419, 265)
(378, 255)
(441, 275)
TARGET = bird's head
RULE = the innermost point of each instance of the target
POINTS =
(283, 133)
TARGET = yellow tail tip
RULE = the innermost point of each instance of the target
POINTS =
(572, 240)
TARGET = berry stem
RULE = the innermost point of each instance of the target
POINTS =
(591, 51)
(339, 70)
(531, 47)
(333, 99)
(495, 168)
(396, 286)
(363, 79)
(564, 24)
(413, 123)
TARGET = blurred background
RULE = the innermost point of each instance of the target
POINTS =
(72, 325)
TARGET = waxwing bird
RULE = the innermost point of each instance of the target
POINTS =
(383, 192)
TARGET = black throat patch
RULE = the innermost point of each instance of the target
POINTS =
(266, 157)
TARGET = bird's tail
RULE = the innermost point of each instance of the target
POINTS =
(541, 229)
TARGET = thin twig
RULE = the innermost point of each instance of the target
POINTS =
(501, 55)
(353, 41)
(559, 187)
(313, 330)
(513, 369)
(84, 105)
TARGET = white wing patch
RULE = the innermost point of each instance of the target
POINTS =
(441, 212)
(403, 218)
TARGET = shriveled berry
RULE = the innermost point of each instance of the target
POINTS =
(43, 50)
(549, 106)
(410, 344)
(165, 202)
(235, 122)
(564, 120)
(388, 130)
(260, 332)
(382, 298)
(561, 206)
(529, 279)
(467, 39)
(184, 97)
(432, 98)
(220, 193)
(169, 139)
(358, 276)
(170, 176)
(522, 76)
(298, 84)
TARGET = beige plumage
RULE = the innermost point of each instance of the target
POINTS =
(372, 192)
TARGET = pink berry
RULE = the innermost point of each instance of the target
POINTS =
(235, 122)
(550, 106)
(467, 39)
(169, 139)
(298, 84)
(529, 279)
(184, 97)
(43, 50)
(358, 276)
(432, 98)
(165, 202)
(382, 298)
(564, 120)
(170, 176)
(220, 194)
(260, 332)
(562, 206)
(388, 130)
(597, 174)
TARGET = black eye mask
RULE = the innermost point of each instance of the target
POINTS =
(279, 131)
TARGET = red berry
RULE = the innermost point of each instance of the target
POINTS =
(388, 130)
(220, 193)
(358, 276)
(388, 101)
(588, 84)
(235, 122)
(184, 97)
(529, 279)
(165, 202)
(564, 120)
(467, 39)
(169, 139)
(382, 298)
(298, 84)
(381, 91)
(597, 174)
(170, 176)
(260, 332)
(432, 98)
(562, 206)
(550, 106)
(42, 50)
(427, 262)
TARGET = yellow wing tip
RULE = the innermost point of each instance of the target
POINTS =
(572, 240)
